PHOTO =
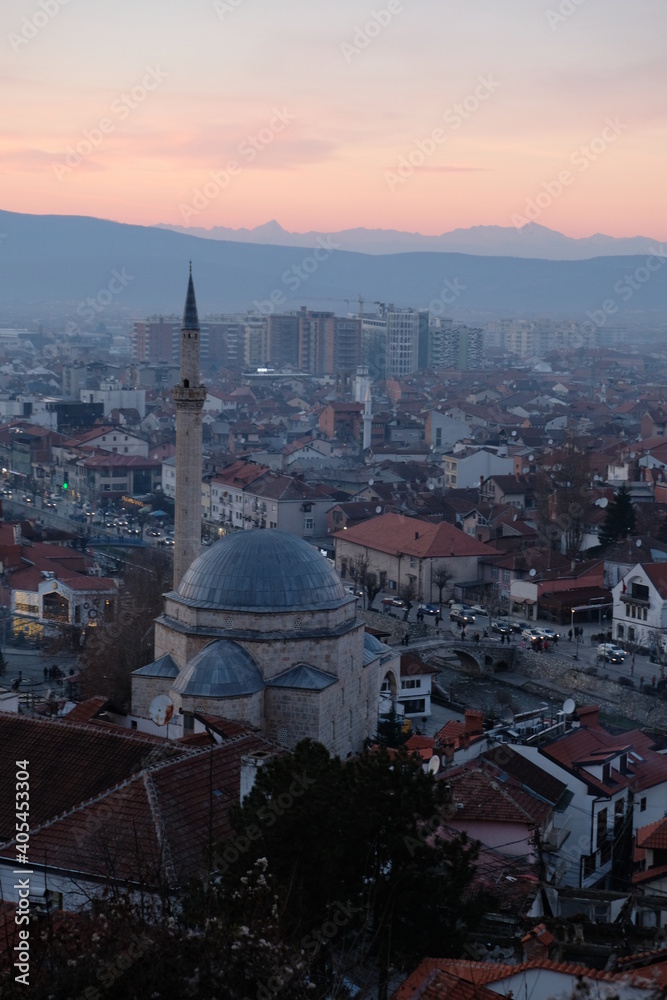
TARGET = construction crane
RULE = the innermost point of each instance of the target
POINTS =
(360, 299)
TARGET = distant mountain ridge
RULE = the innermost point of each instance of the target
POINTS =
(531, 241)
(92, 269)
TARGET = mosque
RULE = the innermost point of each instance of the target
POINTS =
(259, 628)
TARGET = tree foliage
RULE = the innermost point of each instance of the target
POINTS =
(620, 518)
(115, 648)
(354, 837)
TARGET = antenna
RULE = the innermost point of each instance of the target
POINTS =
(161, 710)
(434, 764)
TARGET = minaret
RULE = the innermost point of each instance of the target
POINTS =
(368, 419)
(189, 396)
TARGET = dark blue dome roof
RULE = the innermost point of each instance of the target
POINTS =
(223, 669)
(262, 570)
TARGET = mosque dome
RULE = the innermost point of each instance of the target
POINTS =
(223, 669)
(262, 570)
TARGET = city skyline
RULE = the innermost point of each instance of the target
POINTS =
(404, 114)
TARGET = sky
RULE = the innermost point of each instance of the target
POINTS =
(416, 115)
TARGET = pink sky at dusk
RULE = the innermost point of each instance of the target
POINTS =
(420, 115)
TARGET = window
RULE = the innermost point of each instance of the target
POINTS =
(620, 631)
(412, 683)
(415, 707)
(494, 572)
(601, 827)
(506, 576)
(642, 805)
(639, 591)
(308, 523)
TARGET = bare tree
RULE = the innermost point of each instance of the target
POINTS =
(359, 571)
(113, 649)
(408, 594)
(561, 495)
(373, 587)
(441, 577)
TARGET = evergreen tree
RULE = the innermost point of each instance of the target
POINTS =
(620, 518)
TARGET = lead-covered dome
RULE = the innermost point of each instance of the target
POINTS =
(223, 669)
(262, 570)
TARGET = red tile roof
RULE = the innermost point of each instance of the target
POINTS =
(397, 534)
(482, 796)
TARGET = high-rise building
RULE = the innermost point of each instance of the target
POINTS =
(189, 396)
(255, 342)
(156, 340)
(402, 341)
(454, 345)
(283, 340)
(346, 343)
(316, 342)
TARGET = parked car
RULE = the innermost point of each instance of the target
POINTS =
(429, 609)
(611, 653)
(479, 609)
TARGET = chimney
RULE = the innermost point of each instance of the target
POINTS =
(474, 722)
(416, 535)
(588, 716)
(536, 944)
(249, 767)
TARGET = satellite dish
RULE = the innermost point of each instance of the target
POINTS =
(525, 470)
(513, 434)
(434, 764)
(531, 458)
(516, 517)
(550, 441)
(370, 482)
(638, 543)
(378, 510)
(161, 710)
(569, 706)
(602, 502)
(632, 454)
(532, 572)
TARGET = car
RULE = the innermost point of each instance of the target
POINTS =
(548, 634)
(516, 626)
(479, 609)
(355, 591)
(393, 602)
(461, 616)
(169, 542)
(530, 633)
(500, 628)
(156, 533)
(27, 499)
(429, 609)
(611, 653)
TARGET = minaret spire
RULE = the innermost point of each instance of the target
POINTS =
(189, 398)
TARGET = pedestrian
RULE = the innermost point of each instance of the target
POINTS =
(407, 638)
(463, 633)
(569, 636)
(632, 666)
(555, 639)
(46, 672)
(641, 682)
(652, 679)
(437, 621)
(546, 646)
(502, 638)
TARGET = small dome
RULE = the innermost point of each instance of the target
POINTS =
(223, 669)
(262, 570)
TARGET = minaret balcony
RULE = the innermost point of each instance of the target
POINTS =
(189, 394)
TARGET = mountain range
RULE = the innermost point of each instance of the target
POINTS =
(531, 240)
(55, 265)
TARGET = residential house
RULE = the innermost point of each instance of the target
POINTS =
(407, 551)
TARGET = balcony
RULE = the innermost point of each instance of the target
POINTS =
(558, 833)
(641, 602)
